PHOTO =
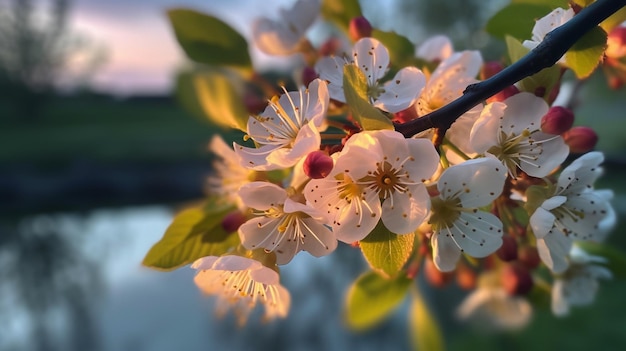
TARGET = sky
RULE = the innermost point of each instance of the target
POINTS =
(141, 54)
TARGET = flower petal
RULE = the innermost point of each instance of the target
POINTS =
(262, 195)
(330, 70)
(445, 251)
(372, 57)
(541, 222)
(435, 48)
(320, 241)
(408, 211)
(553, 250)
(484, 133)
(475, 182)
(523, 111)
(478, 234)
(553, 152)
(401, 92)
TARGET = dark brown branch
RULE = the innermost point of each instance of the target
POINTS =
(553, 47)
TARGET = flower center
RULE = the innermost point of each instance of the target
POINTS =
(444, 212)
(385, 180)
(347, 188)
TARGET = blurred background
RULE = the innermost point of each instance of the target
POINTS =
(96, 156)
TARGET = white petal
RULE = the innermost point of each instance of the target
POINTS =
(274, 38)
(320, 241)
(523, 111)
(580, 175)
(425, 159)
(262, 195)
(330, 69)
(554, 152)
(301, 15)
(445, 251)
(265, 275)
(236, 263)
(436, 48)
(408, 211)
(204, 262)
(478, 234)
(255, 158)
(475, 182)
(541, 222)
(485, 131)
(553, 250)
(554, 19)
(315, 103)
(354, 221)
(458, 132)
(372, 57)
(260, 232)
(307, 141)
(402, 91)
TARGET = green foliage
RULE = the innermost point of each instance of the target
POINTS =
(425, 331)
(194, 233)
(341, 12)
(535, 196)
(371, 298)
(385, 251)
(401, 49)
(355, 89)
(616, 259)
(582, 3)
(544, 80)
(517, 19)
(212, 94)
(586, 54)
(614, 20)
(206, 39)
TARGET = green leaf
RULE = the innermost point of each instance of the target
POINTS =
(401, 49)
(371, 298)
(212, 94)
(614, 20)
(582, 3)
(517, 20)
(385, 251)
(615, 257)
(425, 331)
(355, 89)
(206, 39)
(541, 83)
(341, 12)
(586, 54)
(194, 233)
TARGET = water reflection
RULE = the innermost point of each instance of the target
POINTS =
(74, 282)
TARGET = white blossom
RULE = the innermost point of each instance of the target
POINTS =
(230, 175)
(578, 285)
(511, 131)
(372, 58)
(240, 283)
(283, 36)
(283, 225)
(436, 48)
(574, 211)
(287, 130)
(378, 174)
(546, 24)
(459, 226)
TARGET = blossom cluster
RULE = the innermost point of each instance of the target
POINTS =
(496, 188)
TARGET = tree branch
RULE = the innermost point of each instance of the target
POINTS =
(552, 48)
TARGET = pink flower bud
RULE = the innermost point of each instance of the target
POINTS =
(508, 251)
(580, 139)
(360, 27)
(616, 43)
(516, 279)
(529, 257)
(504, 94)
(330, 47)
(317, 165)
(308, 75)
(557, 120)
(233, 221)
(490, 69)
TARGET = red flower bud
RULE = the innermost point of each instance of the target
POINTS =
(516, 279)
(508, 251)
(504, 94)
(580, 139)
(330, 47)
(360, 27)
(405, 115)
(490, 69)
(529, 257)
(308, 75)
(435, 277)
(557, 120)
(317, 165)
(232, 221)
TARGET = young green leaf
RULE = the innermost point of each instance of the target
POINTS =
(355, 90)
(341, 12)
(385, 251)
(206, 39)
(586, 54)
(541, 83)
(212, 94)
(425, 331)
(371, 298)
(516, 20)
(194, 233)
